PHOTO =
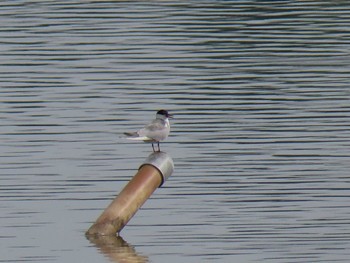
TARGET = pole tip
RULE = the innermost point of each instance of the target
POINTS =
(162, 162)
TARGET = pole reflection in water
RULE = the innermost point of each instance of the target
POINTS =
(117, 249)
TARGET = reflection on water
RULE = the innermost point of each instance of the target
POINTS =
(260, 141)
(117, 250)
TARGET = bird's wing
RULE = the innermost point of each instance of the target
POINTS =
(156, 131)
(155, 125)
(152, 130)
(135, 136)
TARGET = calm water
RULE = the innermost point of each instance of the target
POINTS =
(260, 91)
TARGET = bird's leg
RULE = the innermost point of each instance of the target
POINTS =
(153, 147)
(158, 147)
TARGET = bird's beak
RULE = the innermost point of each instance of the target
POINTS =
(170, 116)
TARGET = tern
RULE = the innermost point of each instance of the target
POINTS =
(154, 132)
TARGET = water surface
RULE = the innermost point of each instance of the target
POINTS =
(260, 140)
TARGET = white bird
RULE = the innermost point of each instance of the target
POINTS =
(154, 132)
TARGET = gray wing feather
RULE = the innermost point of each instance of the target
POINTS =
(155, 130)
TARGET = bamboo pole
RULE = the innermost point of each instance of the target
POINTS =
(151, 175)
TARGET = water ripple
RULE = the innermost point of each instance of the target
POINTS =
(260, 138)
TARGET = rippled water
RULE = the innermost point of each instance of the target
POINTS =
(260, 92)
